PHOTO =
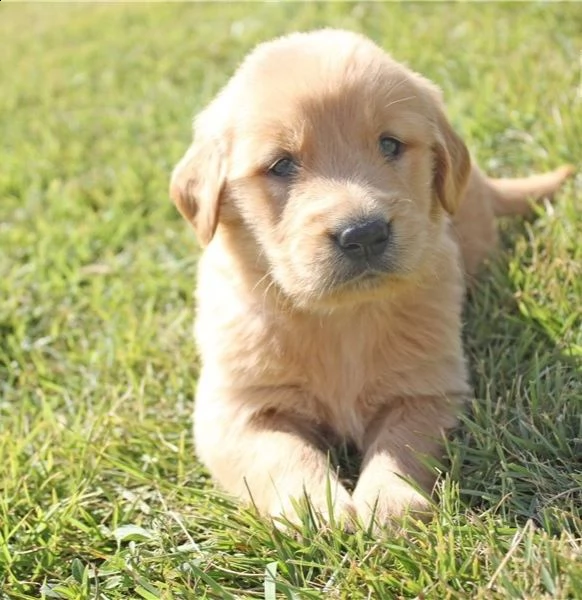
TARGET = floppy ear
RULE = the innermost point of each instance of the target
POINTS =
(197, 185)
(452, 165)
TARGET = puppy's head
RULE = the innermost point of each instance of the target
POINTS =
(332, 160)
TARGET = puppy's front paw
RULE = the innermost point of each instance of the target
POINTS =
(341, 511)
(385, 504)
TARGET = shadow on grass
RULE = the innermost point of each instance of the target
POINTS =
(519, 451)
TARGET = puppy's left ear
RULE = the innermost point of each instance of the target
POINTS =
(452, 165)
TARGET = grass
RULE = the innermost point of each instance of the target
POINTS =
(100, 494)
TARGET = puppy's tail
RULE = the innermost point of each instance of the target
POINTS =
(514, 196)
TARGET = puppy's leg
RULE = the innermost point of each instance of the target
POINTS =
(269, 460)
(407, 431)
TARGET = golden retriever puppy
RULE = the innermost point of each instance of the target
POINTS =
(323, 181)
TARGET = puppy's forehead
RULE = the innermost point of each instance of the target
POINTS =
(303, 75)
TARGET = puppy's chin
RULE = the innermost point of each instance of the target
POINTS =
(342, 288)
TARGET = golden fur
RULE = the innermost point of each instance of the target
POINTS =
(297, 344)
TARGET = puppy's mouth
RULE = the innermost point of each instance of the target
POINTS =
(364, 275)
(370, 274)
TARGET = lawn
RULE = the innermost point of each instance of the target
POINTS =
(100, 493)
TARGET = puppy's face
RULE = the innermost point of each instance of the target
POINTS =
(336, 159)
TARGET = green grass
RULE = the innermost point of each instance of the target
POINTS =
(100, 493)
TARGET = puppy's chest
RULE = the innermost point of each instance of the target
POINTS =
(350, 372)
(338, 381)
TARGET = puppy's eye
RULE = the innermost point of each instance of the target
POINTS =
(284, 167)
(390, 147)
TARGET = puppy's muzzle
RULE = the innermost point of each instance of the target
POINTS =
(363, 240)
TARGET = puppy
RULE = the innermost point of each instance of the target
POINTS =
(339, 213)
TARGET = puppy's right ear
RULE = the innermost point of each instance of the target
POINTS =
(197, 185)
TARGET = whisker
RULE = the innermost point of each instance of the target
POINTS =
(260, 281)
(400, 100)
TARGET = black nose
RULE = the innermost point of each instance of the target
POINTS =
(365, 239)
